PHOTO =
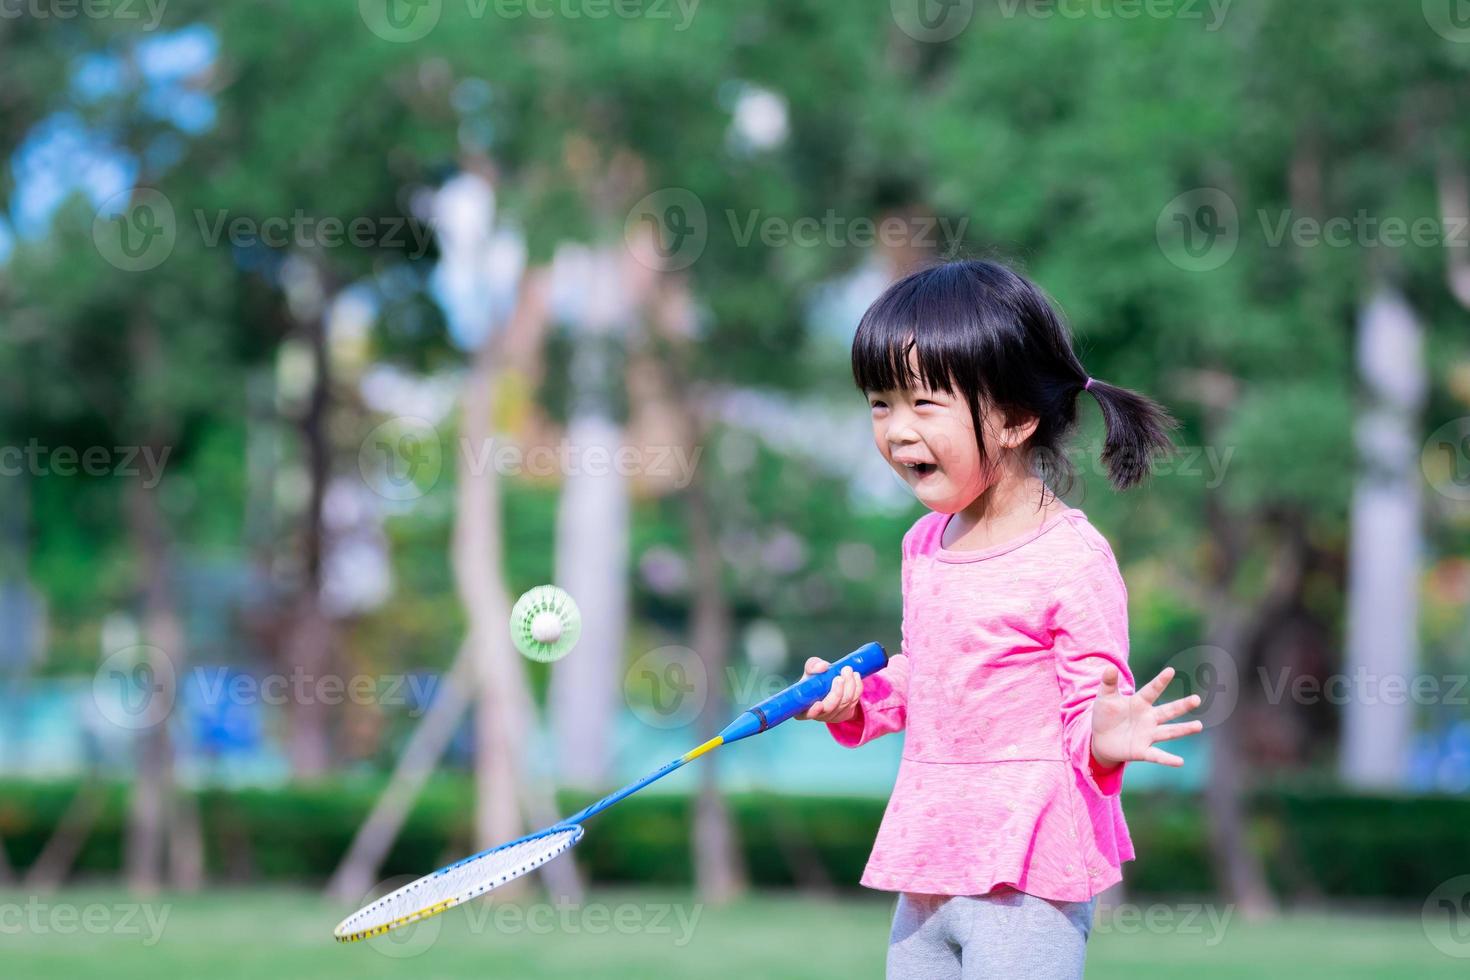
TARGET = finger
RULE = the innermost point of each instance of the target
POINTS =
(834, 695)
(1172, 710)
(822, 707)
(1109, 681)
(815, 665)
(1155, 687)
(853, 690)
(1165, 732)
(1163, 758)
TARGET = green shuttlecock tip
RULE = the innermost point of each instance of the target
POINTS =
(545, 623)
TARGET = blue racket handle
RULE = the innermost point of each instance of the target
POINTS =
(866, 659)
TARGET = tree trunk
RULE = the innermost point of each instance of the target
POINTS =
(592, 565)
(1238, 869)
(487, 672)
(477, 550)
(719, 872)
(310, 641)
(1385, 542)
(154, 808)
(593, 519)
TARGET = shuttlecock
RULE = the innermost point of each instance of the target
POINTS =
(545, 623)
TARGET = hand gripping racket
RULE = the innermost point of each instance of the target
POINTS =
(479, 873)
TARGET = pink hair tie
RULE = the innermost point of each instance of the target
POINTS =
(1087, 385)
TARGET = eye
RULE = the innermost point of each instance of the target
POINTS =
(923, 401)
(878, 403)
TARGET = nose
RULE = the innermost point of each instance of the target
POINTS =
(899, 431)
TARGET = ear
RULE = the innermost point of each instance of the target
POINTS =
(1017, 431)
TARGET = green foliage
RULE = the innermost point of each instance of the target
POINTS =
(298, 834)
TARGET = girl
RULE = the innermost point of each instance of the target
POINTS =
(1013, 680)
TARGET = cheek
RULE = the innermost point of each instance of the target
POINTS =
(956, 449)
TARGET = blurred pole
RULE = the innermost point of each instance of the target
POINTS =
(151, 804)
(311, 635)
(163, 831)
(1384, 547)
(594, 513)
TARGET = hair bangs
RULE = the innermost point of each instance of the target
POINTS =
(930, 316)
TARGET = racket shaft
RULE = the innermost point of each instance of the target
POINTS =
(634, 787)
(867, 659)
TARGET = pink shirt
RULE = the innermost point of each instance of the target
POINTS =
(1003, 651)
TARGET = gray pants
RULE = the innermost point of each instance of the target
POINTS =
(1005, 935)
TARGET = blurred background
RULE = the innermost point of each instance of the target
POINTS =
(328, 328)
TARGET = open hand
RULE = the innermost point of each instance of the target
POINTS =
(1125, 727)
(841, 702)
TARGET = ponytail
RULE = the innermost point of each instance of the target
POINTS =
(1137, 431)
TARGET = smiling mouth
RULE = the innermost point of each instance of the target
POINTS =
(922, 469)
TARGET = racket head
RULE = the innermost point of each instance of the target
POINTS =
(457, 883)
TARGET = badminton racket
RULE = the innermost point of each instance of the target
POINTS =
(480, 873)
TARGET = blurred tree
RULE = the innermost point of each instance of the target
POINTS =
(1165, 225)
(141, 360)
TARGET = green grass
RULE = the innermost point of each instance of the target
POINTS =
(641, 935)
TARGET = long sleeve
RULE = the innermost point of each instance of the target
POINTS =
(883, 706)
(1090, 632)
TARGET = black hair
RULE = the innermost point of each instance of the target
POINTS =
(992, 336)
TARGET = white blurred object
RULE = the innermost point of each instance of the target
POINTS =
(765, 644)
(357, 572)
(590, 290)
(761, 119)
(393, 392)
(1385, 552)
(478, 275)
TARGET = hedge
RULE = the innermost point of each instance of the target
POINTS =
(1315, 841)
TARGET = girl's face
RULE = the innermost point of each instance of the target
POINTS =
(929, 440)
